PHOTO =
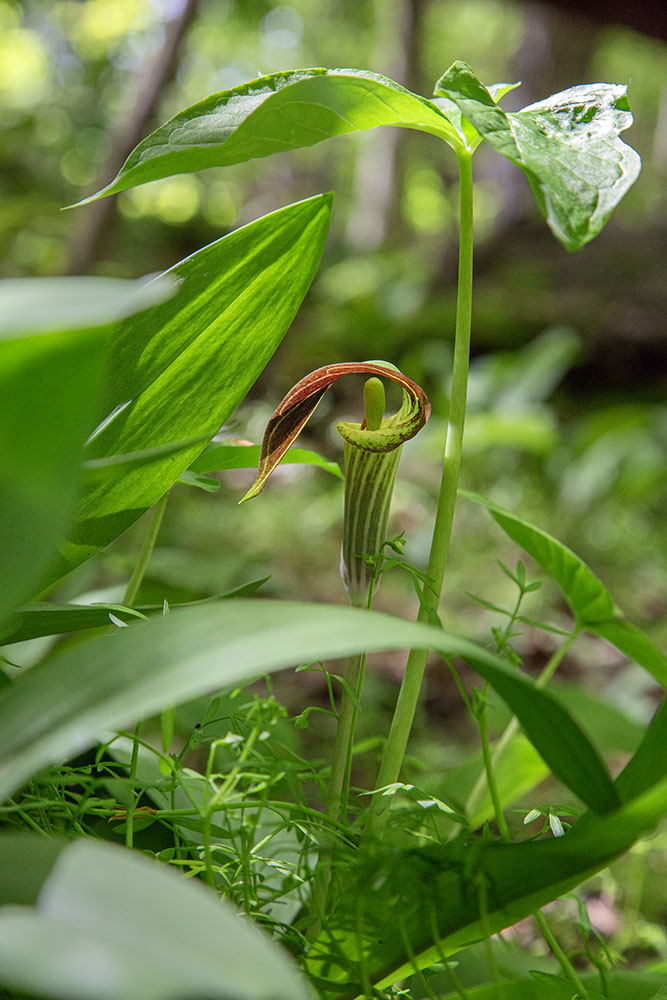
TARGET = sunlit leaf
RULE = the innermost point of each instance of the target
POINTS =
(177, 371)
(567, 145)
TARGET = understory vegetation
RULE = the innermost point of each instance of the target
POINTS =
(350, 714)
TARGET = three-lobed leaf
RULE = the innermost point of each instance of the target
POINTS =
(568, 146)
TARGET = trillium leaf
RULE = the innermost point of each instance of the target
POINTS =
(568, 146)
(276, 113)
(289, 418)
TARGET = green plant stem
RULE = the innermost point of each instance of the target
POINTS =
(146, 550)
(128, 600)
(134, 797)
(563, 960)
(508, 734)
(490, 776)
(342, 751)
(209, 806)
(406, 704)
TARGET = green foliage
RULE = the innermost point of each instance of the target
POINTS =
(49, 384)
(568, 145)
(363, 896)
(118, 906)
(57, 708)
(205, 347)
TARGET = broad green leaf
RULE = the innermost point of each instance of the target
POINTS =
(568, 146)
(238, 455)
(35, 620)
(437, 893)
(25, 861)
(33, 305)
(634, 643)
(591, 602)
(58, 707)
(112, 925)
(274, 114)
(619, 985)
(648, 765)
(50, 387)
(98, 470)
(177, 371)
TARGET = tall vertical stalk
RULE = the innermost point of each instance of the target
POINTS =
(130, 596)
(414, 671)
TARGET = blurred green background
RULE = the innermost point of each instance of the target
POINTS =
(567, 416)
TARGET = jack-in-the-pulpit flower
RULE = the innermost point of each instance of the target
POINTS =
(372, 451)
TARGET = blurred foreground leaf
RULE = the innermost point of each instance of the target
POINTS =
(50, 385)
(111, 925)
(60, 706)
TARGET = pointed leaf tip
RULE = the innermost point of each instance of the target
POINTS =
(290, 416)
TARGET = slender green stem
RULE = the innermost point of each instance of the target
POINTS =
(414, 672)
(563, 960)
(478, 789)
(490, 776)
(145, 553)
(342, 752)
(134, 760)
(129, 598)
